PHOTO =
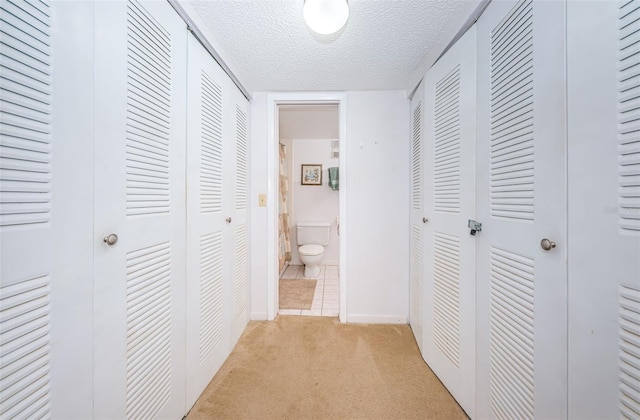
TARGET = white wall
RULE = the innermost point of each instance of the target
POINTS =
(378, 212)
(258, 215)
(378, 206)
(315, 203)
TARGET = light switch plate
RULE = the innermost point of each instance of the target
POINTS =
(262, 200)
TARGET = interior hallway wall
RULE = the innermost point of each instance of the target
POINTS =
(378, 201)
(258, 215)
(377, 206)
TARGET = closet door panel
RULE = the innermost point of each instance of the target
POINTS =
(72, 211)
(45, 256)
(209, 238)
(604, 209)
(139, 338)
(238, 115)
(521, 157)
(450, 201)
(417, 254)
(26, 234)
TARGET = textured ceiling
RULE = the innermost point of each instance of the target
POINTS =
(384, 45)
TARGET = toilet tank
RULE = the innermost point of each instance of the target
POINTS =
(312, 233)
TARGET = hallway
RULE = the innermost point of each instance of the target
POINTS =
(316, 368)
(486, 216)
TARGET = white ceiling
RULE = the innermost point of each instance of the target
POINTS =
(385, 45)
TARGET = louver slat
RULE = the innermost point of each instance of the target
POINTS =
(241, 274)
(25, 344)
(629, 352)
(629, 117)
(210, 293)
(241, 159)
(446, 296)
(511, 335)
(25, 113)
(512, 141)
(447, 144)
(211, 146)
(148, 114)
(148, 330)
(416, 272)
(416, 164)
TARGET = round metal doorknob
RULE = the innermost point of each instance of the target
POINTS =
(425, 220)
(228, 220)
(110, 239)
(547, 244)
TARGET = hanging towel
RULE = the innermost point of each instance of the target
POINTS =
(333, 178)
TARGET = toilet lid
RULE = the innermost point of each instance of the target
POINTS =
(311, 250)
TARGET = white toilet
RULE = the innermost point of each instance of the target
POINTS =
(312, 238)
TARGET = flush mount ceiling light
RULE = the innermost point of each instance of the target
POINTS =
(325, 16)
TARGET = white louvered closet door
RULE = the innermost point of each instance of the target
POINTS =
(604, 209)
(521, 162)
(450, 201)
(238, 162)
(25, 210)
(416, 256)
(209, 237)
(45, 301)
(139, 338)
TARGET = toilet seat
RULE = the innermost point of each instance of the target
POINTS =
(311, 250)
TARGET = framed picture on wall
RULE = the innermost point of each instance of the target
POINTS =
(311, 175)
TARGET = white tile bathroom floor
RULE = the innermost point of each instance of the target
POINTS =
(326, 299)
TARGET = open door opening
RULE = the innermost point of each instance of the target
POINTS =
(307, 190)
(308, 209)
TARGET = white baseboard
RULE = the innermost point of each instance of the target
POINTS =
(376, 319)
(258, 316)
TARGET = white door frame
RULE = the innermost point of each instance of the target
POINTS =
(302, 98)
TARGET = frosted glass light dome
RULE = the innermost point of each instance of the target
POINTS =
(325, 16)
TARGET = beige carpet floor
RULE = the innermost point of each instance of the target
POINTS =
(316, 368)
(296, 294)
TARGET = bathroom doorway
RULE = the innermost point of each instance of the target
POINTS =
(307, 166)
(308, 209)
